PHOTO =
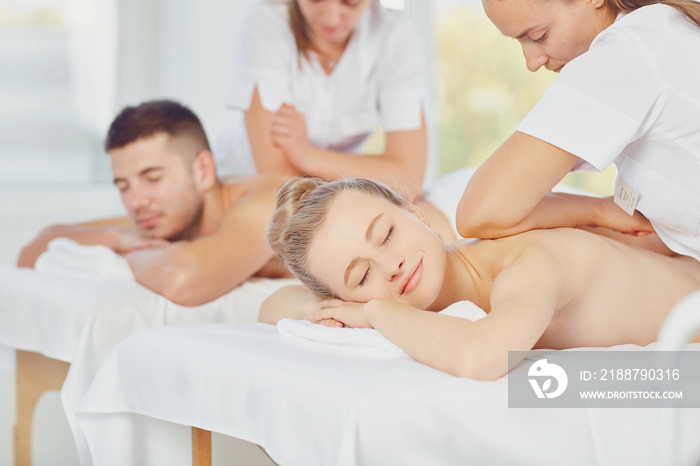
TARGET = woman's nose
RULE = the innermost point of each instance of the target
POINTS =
(394, 268)
(534, 58)
(331, 15)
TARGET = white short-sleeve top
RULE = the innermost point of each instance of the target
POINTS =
(379, 81)
(634, 99)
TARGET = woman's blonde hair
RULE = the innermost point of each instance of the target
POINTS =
(690, 8)
(302, 206)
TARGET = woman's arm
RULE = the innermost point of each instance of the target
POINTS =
(289, 302)
(279, 142)
(523, 300)
(268, 157)
(401, 165)
(502, 195)
(447, 343)
(510, 193)
(458, 346)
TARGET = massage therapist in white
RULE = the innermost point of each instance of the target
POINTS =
(314, 78)
(628, 92)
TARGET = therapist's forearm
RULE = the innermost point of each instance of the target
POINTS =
(506, 194)
(555, 210)
(399, 173)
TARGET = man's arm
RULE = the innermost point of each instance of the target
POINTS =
(198, 271)
(118, 234)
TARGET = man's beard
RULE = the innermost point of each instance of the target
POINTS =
(192, 229)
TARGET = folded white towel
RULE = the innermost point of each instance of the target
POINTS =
(68, 258)
(361, 341)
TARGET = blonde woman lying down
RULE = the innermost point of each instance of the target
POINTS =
(374, 262)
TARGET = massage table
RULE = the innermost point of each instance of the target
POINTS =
(63, 326)
(64, 318)
(307, 405)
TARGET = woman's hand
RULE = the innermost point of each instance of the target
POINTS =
(312, 307)
(614, 218)
(288, 133)
(347, 314)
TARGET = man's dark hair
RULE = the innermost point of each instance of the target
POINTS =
(150, 118)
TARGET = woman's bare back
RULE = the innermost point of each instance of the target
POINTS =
(609, 293)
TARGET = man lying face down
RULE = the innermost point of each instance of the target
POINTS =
(187, 235)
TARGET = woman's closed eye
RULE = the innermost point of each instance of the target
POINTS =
(388, 235)
(364, 278)
(540, 39)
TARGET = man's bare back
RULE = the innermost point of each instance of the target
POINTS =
(587, 290)
(255, 194)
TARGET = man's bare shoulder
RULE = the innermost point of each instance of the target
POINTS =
(253, 183)
(242, 190)
(249, 202)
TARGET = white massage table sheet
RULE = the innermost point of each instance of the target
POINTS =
(307, 406)
(51, 314)
(46, 313)
(79, 320)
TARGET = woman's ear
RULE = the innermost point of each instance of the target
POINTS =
(418, 212)
(204, 170)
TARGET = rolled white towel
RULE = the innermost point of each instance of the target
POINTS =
(366, 342)
(67, 258)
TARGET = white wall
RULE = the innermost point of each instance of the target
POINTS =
(179, 50)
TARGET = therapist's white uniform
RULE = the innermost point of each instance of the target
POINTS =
(380, 81)
(634, 99)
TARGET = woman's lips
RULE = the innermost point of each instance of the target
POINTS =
(414, 279)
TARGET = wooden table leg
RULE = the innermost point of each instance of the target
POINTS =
(201, 447)
(36, 374)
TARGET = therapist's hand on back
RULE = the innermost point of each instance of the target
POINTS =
(614, 218)
(288, 132)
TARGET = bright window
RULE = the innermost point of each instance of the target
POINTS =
(45, 135)
(483, 90)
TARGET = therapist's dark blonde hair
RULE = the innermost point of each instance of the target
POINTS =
(302, 207)
(690, 8)
(300, 29)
